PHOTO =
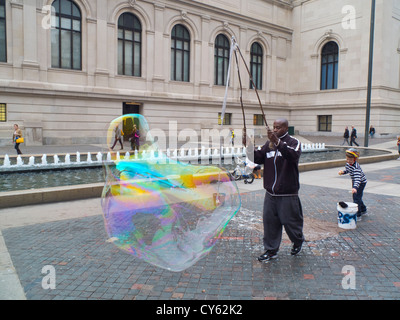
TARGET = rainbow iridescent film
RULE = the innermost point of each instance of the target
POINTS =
(169, 214)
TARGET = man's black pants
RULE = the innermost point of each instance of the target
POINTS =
(282, 211)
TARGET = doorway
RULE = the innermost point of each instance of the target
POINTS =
(130, 107)
(127, 126)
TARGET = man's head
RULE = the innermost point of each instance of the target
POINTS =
(281, 126)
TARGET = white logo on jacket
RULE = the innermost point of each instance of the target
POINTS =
(271, 154)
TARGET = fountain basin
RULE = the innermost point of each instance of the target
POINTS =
(16, 179)
(94, 190)
(85, 160)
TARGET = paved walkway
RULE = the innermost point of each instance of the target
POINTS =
(335, 264)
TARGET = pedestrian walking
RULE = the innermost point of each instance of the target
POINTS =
(346, 136)
(398, 146)
(353, 136)
(282, 207)
(371, 131)
(232, 134)
(134, 138)
(17, 138)
(358, 179)
(118, 137)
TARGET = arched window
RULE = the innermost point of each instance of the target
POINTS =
(221, 59)
(329, 66)
(256, 65)
(180, 53)
(129, 45)
(66, 39)
(3, 41)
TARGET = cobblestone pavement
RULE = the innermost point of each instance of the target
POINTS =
(363, 263)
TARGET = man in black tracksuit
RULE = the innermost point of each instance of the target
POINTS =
(282, 206)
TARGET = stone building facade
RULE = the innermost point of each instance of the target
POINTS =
(67, 68)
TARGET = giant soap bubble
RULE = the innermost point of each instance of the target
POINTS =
(169, 214)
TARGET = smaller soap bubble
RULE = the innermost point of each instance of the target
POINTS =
(167, 213)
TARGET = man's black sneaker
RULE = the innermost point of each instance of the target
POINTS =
(268, 255)
(296, 249)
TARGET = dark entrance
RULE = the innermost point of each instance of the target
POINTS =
(127, 127)
(130, 107)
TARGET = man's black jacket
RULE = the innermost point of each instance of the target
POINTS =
(281, 166)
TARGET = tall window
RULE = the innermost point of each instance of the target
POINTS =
(3, 42)
(227, 118)
(3, 112)
(180, 53)
(221, 59)
(325, 123)
(66, 37)
(329, 66)
(256, 65)
(129, 45)
(258, 120)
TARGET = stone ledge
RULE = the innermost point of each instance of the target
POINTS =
(48, 195)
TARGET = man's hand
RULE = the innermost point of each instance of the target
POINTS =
(272, 136)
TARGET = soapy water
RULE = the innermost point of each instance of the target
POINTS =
(169, 214)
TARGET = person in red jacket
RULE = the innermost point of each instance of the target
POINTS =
(282, 207)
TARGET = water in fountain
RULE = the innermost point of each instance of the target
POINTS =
(99, 157)
(108, 157)
(31, 161)
(56, 160)
(89, 158)
(19, 161)
(44, 160)
(6, 163)
(67, 159)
